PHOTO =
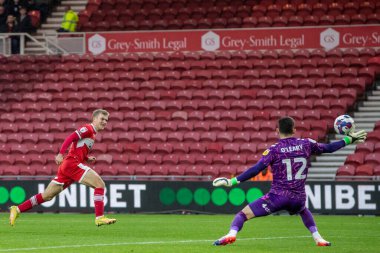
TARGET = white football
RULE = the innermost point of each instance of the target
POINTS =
(344, 124)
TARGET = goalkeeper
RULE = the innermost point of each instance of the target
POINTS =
(289, 159)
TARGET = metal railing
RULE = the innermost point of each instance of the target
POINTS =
(66, 43)
(49, 46)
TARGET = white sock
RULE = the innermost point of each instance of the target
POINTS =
(317, 236)
(232, 233)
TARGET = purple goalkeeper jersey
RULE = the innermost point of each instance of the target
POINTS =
(289, 159)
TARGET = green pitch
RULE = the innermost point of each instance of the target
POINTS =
(183, 233)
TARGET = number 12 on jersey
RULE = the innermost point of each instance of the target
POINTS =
(299, 174)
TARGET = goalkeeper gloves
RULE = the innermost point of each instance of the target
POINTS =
(355, 137)
(222, 181)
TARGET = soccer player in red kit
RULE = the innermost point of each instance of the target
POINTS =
(72, 169)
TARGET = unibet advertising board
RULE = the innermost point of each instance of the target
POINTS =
(168, 196)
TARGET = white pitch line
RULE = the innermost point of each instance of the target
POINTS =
(142, 243)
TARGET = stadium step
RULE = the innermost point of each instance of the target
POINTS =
(72, 3)
(319, 170)
(374, 115)
(54, 20)
(32, 44)
(324, 176)
(370, 109)
(50, 26)
(335, 158)
(44, 31)
(366, 123)
(371, 104)
(74, 8)
(35, 50)
(374, 98)
(342, 152)
(58, 14)
(39, 37)
(327, 164)
(365, 126)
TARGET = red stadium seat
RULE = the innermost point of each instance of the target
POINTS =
(327, 20)
(346, 172)
(364, 170)
(176, 171)
(311, 20)
(374, 136)
(372, 159)
(376, 171)
(304, 9)
(373, 18)
(355, 159)
(93, 5)
(313, 94)
(43, 170)
(171, 159)
(376, 147)
(258, 137)
(125, 169)
(366, 7)
(144, 170)
(258, 10)
(218, 126)
(11, 171)
(291, 83)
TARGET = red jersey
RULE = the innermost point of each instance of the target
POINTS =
(80, 149)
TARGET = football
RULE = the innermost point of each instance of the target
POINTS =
(344, 124)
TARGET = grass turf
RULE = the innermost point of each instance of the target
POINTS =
(183, 233)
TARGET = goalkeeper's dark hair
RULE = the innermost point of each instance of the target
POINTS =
(286, 125)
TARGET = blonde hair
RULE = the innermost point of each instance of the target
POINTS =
(99, 111)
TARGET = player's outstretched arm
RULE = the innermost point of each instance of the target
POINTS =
(249, 173)
(354, 137)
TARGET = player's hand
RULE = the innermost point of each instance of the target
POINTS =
(222, 181)
(358, 137)
(91, 159)
(59, 159)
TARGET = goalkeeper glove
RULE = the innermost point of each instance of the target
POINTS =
(222, 181)
(355, 137)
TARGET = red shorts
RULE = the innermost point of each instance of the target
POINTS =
(70, 171)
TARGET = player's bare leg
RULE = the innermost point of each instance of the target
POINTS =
(93, 180)
(50, 192)
(309, 223)
(236, 226)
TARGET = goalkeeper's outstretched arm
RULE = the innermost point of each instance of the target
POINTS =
(357, 137)
(249, 173)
